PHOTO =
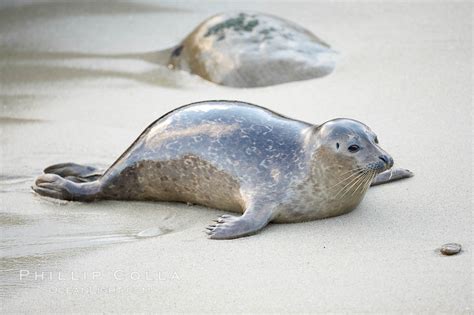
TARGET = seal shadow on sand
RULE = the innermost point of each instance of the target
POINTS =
(36, 72)
(14, 16)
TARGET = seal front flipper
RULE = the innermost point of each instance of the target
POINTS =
(253, 220)
(391, 175)
(55, 186)
(74, 172)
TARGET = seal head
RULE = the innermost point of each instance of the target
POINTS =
(353, 145)
(344, 158)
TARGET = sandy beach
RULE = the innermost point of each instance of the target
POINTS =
(80, 81)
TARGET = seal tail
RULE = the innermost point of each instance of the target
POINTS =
(55, 186)
(75, 172)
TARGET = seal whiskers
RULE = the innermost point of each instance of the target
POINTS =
(354, 180)
(353, 173)
(363, 185)
(361, 177)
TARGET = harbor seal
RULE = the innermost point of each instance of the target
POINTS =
(247, 49)
(237, 157)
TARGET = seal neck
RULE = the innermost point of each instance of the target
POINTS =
(310, 139)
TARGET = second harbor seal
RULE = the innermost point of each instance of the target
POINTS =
(249, 49)
(237, 157)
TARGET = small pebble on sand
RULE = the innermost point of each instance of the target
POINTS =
(450, 249)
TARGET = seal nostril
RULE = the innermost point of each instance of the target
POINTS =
(384, 158)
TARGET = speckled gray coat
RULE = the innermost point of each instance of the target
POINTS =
(238, 157)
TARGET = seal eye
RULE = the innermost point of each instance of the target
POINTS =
(376, 140)
(354, 148)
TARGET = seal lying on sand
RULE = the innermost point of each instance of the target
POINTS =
(237, 157)
(251, 49)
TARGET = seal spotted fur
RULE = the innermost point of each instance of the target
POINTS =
(241, 158)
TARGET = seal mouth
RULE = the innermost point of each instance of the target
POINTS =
(384, 163)
(378, 166)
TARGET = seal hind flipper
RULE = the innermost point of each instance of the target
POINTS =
(55, 186)
(229, 227)
(74, 172)
(391, 175)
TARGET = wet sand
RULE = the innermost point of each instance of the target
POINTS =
(79, 82)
